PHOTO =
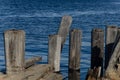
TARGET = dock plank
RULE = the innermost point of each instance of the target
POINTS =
(52, 76)
(32, 73)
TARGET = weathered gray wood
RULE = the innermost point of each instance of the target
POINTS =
(112, 70)
(75, 46)
(64, 27)
(14, 50)
(54, 51)
(44, 69)
(97, 48)
(2, 76)
(57, 55)
(32, 61)
(33, 73)
(52, 76)
(114, 61)
(111, 33)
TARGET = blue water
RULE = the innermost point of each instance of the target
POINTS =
(40, 18)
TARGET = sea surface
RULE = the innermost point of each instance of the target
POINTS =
(41, 18)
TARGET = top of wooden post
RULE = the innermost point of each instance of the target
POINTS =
(97, 30)
(14, 31)
(111, 26)
(76, 30)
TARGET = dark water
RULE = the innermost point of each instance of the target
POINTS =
(39, 18)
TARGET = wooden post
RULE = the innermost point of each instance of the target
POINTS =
(74, 75)
(97, 48)
(111, 33)
(64, 27)
(114, 61)
(113, 66)
(54, 51)
(75, 46)
(14, 50)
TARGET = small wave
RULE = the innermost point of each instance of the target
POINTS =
(60, 14)
(115, 3)
(43, 14)
(79, 13)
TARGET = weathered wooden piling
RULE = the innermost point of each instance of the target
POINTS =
(14, 50)
(74, 54)
(97, 48)
(111, 33)
(36, 72)
(54, 51)
(64, 28)
(75, 47)
(113, 68)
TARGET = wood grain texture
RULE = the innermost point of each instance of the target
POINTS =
(52, 76)
(74, 75)
(64, 28)
(75, 47)
(54, 51)
(35, 72)
(30, 62)
(14, 50)
(113, 66)
(111, 33)
(97, 48)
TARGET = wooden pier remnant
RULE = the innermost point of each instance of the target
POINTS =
(57, 41)
(97, 55)
(75, 47)
(27, 69)
(17, 68)
(14, 50)
(74, 54)
(97, 48)
(64, 28)
(112, 57)
(111, 33)
(36, 72)
(113, 68)
(54, 52)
